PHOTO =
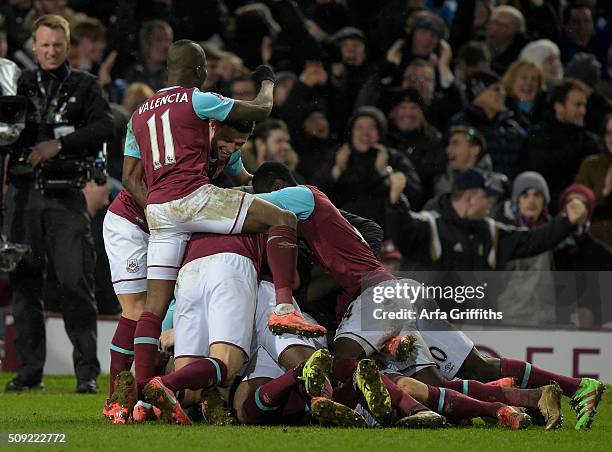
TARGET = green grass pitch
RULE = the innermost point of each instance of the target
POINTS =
(58, 409)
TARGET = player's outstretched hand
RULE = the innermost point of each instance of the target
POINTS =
(263, 72)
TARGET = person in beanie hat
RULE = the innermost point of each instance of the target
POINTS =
(348, 75)
(529, 297)
(414, 137)
(356, 176)
(582, 252)
(545, 53)
(487, 113)
(479, 82)
(530, 199)
(313, 140)
(585, 70)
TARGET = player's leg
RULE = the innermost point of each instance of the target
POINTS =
(281, 249)
(126, 248)
(458, 406)
(585, 393)
(296, 354)
(122, 343)
(165, 253)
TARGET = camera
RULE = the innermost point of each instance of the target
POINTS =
(63, 173)
(12, 118)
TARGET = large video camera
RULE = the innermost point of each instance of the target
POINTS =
(63, 173)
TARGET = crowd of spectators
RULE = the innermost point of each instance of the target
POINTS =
(367, 90)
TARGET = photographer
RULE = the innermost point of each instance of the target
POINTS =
(67, 121)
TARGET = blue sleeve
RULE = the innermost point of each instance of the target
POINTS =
(298, 200)
(234, 167)
(168, 321)
(131, 147)
(211, 105)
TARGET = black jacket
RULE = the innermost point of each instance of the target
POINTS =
(555, 150)
(425, 150)
(503, 134)
(438, 239)
(85, 108)
(360, 189)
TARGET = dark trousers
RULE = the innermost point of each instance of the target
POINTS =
(62, 262)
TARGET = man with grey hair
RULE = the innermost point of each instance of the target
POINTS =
(505, 36)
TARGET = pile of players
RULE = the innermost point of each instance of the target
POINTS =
(173, 234)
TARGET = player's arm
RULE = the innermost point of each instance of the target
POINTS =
(236, 171)
(259, 108)
(298, 200)
(214, 106)
(133, 171)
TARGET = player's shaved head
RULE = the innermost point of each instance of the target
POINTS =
(186, 64)
(272, 176)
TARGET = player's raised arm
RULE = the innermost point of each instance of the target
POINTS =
(259, 108)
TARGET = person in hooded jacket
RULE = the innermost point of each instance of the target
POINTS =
(356, 177)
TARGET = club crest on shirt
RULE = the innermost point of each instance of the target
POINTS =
(132, 266)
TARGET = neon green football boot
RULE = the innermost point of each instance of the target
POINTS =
(315, 372)
(585, 400)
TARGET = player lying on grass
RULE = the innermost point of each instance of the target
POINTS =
(270, 395)
(168, 144)
(126, 237)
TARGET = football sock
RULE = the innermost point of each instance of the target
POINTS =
(267, 400)
(146, 343)
(121, 350)
(529, 376)
(401, 400)
(345, 392)
(200, 374)
(282, 253)
(449, 402)
(527, 398)
(344, 369)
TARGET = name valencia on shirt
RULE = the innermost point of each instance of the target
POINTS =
(160, 101)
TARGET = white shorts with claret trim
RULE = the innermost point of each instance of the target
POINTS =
(215, 303)
(207, 209)
(126, 248)
(373, 340)
(266, 347)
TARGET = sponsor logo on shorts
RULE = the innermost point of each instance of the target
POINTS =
(132, 266)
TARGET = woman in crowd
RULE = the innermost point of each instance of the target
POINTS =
(524, 83)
